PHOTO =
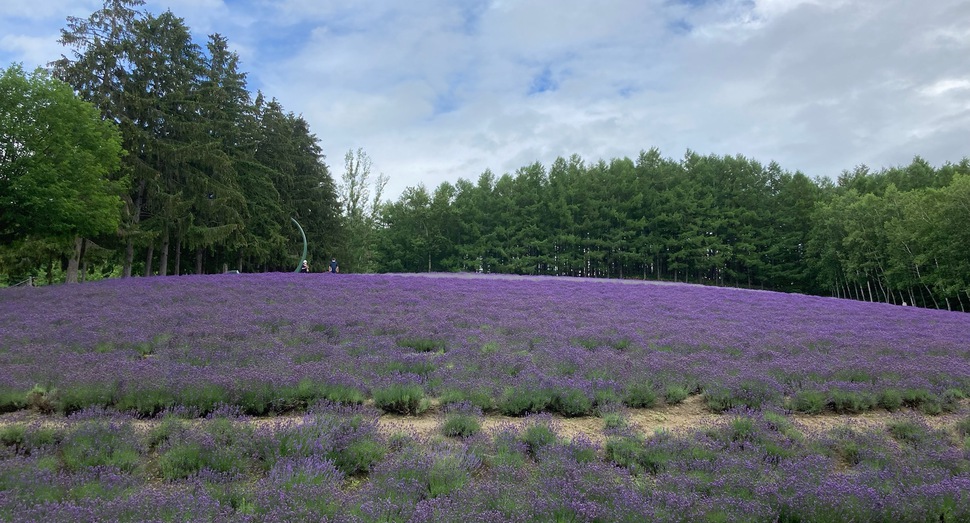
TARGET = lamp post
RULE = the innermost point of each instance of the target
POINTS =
(303, 259)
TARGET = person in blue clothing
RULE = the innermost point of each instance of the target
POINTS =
(334, 268)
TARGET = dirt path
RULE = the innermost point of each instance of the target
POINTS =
(681, 418)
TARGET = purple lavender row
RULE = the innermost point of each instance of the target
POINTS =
(334, 465)
(273, 342)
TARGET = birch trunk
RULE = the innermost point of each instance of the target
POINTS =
(72, 264)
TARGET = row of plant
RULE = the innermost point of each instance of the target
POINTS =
(412, 399)
(334, 464)
(278, 342)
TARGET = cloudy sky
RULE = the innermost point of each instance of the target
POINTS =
(436, 90)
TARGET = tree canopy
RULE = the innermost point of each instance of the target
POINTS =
(895, 236)
(57, 157)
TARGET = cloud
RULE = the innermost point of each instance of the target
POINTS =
(436, 90)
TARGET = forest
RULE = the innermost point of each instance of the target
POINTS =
(190, 173)
(895, 236)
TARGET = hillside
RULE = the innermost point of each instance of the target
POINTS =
(422, 398)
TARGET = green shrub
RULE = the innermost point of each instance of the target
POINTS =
(81, 396)
(719, 400)
(510, 451)
(572, 403)
(963, 427)
(851, 402)
(849, 452)
(12, 400)
(602, 397)
(809, 402)
(257, 399)
(950, 399)
(637, 455)
(400, 398)
(460, 425)
(217, 444)
(907, 431)
(163, 431)
(204, 397)
(521, 401)
(538, 435)
(624, 451)
(447, 474)
(422, 344)
(640, 396)
(342, 394)
(146, 402)
(181, 461)
(776, 452)
(915, 398)
(614, 421)
(44, 436)
(890, 399)
(674, 394)
(654, 459)
(477, 397)
(43, 399)
(780, 423)
(13, 435)
(359, 456)
(742, 429)
(96, 443)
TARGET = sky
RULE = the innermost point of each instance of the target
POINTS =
(437, 90)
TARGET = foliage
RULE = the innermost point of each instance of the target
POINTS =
(215, 172)
(401, 398)
(57, 157)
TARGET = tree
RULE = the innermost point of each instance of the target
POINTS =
(56, 159)
(99, 70)
(359, 210)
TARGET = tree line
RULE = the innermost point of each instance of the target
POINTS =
(211, 174)
(896, 236)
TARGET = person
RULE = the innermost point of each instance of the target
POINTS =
(305, 267)
(334, 268)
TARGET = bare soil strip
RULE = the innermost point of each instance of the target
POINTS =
(681, 418)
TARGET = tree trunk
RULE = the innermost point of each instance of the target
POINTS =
(129, 257)
(199, 256)
(163, 256)
(178, 255)
(240, 263)
(148, 259)
(130, 243)
(72, 264)
(930, 292)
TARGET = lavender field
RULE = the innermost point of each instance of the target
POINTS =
(257, 398)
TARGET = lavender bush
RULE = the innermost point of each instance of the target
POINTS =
(149, 391)
(273, 343)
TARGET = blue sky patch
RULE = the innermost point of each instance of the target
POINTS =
(543, 82)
